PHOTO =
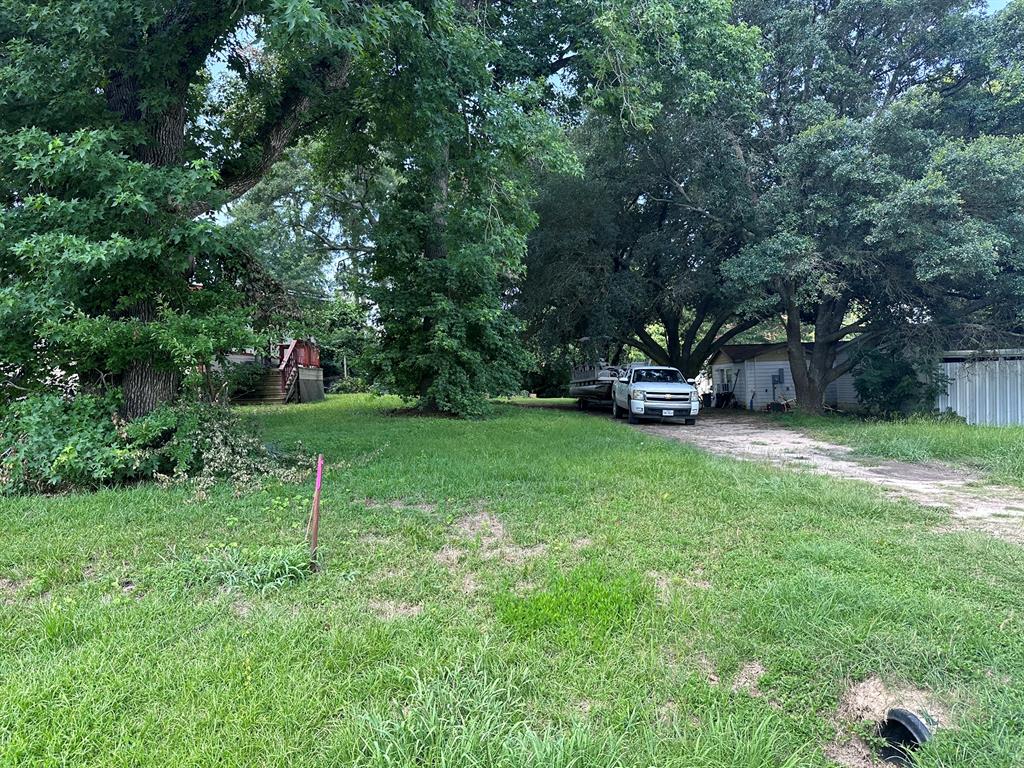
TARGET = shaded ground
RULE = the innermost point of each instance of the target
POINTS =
(997, 510)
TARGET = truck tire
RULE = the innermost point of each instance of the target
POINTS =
(616, 411)
(690, 422)
(629, 412)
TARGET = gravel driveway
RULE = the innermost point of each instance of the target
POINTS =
(974, 504)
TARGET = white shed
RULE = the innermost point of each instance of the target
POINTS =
(759, 374)
(984, 387)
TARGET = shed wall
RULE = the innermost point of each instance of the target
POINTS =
(985, 391)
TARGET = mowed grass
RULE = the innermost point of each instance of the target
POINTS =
(545, 588)
(996, 451)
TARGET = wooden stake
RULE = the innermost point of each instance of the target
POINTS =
(314, 519)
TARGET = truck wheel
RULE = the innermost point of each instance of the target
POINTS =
(616, 413)
(629, 410)
(690, 422)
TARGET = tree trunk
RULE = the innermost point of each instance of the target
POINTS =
(813, 372)
(146, 387)
(147, 384)
(435, 249)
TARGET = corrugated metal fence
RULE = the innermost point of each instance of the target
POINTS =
(986, 390)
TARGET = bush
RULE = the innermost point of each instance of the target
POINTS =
(52, 444)
(48, 443)
(893, 385)
(350, 386)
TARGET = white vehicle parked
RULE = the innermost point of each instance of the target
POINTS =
(654, 392)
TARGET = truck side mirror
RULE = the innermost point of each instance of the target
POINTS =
(691, 381)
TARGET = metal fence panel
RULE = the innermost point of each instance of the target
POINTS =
(985, 391)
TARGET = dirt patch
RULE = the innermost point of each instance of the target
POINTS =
(999, 511)
(868, 702)
(667, 712)
(11, 586)
(482, 526)
(707, 668)
(577, 544)
(400, 505)
(525, 587)
(495, 544)
(852, 754)
(515, 555)
(9, 589)
(389, 610)
(662, 586)
(449, 556)
(242, 609)
(870, 699)
(664, 583)
(748, 678)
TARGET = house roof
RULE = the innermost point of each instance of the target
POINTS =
(740, 352)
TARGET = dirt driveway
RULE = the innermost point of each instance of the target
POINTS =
(974, 504)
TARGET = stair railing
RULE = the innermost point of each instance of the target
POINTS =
(289, 369)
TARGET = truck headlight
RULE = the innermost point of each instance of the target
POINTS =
(637, 394)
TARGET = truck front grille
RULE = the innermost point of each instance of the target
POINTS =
(667, 398)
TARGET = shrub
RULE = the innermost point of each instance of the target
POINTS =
(52, 444)
(350, 386)
(48, 443)
(892, 384)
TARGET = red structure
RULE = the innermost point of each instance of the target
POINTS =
(305, 353)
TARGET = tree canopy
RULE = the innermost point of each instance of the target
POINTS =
(498, 178)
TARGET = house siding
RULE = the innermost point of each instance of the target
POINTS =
(754, 388)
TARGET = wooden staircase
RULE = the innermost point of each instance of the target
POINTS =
(281, 385)
(266, 392)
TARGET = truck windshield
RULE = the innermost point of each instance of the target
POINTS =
(657, 375)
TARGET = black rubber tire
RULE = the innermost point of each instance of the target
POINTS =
(690, 422)
(616, 413)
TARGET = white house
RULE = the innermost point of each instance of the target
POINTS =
(984, 387)
(759, 374)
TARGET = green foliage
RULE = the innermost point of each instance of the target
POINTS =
(90, 236)
(867, 227)
(350, 386)
(48, 444)
(264, 569)
(890, 384)
(123, 128)
(52, 444)
(450, 237)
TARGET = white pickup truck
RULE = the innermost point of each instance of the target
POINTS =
(654, 392)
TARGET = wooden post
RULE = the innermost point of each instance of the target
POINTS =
(314, 520)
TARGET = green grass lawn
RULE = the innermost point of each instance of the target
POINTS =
(996, 451)
(545, 588)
